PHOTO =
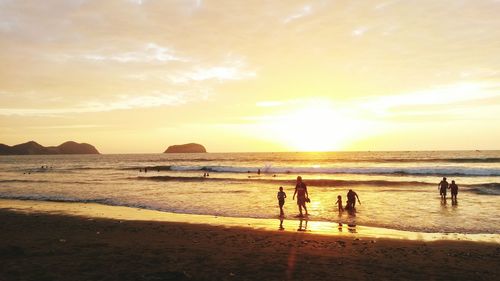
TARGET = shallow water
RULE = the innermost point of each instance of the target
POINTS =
(398, 190)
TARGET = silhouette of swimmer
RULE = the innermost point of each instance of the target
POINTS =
(454, 191)
(442, 187)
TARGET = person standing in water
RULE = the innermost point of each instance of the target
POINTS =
(302, 195)
(339, 203)
(281, 200)
(454, 191)
(351, 199)
(442, 187)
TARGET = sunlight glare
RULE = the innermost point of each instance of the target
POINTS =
(316, 127)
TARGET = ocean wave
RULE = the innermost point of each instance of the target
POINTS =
(423, 171)
(152, 168)
(484, 189)
(344, 160)
(270, 169)
(94, 182)
(311, 182)
(24, 181)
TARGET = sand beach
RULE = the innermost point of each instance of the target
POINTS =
(93, 243)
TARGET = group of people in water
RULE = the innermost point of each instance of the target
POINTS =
(303, 198)
(352, 197)
(443, 187)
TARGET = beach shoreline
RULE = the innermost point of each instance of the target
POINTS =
(41, 244)
(286, 224)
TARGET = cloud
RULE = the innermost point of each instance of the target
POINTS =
(230, 69)
(150, 53)
(123, 102)
(360, 31)
(218, 73)
(80, 126)
(446, 101)
(302, 12)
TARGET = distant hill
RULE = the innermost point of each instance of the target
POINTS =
(186, 148)
(32, 148)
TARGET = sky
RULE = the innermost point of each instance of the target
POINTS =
(132, 76)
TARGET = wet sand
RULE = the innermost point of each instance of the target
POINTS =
(53, 246)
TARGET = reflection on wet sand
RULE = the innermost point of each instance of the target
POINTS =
(352, 228)
(93, 210)
(302, 225)
(281, 224)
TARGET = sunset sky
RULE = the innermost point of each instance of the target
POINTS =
(135, 76)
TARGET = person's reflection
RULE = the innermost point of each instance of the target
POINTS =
(351, 228)
(351, 221)
(302, 225)
(443, 201)
(339, 227)
(444, 204)
(281, 224)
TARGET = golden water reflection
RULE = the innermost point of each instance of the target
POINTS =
(308, 226)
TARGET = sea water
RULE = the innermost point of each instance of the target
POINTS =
(398, 190)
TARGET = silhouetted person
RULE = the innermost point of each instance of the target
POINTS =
(442, 187)
(258, 172)
(454, 191)
(302, 195)
(145, 170)
(351, 199)
(339, 203)
(281, 200)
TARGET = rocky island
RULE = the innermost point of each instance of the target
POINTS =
(186, 148)
(33, 148)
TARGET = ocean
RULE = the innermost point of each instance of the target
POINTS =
(398, 190)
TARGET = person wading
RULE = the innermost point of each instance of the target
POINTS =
(302, 196)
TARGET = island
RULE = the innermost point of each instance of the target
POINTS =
(34, 148)
(186, 148)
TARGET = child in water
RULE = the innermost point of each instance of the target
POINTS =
(339, 203)
(281, 200)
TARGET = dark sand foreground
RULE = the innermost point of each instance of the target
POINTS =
(56, 247)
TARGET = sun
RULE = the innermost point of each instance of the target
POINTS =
(316, 127)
